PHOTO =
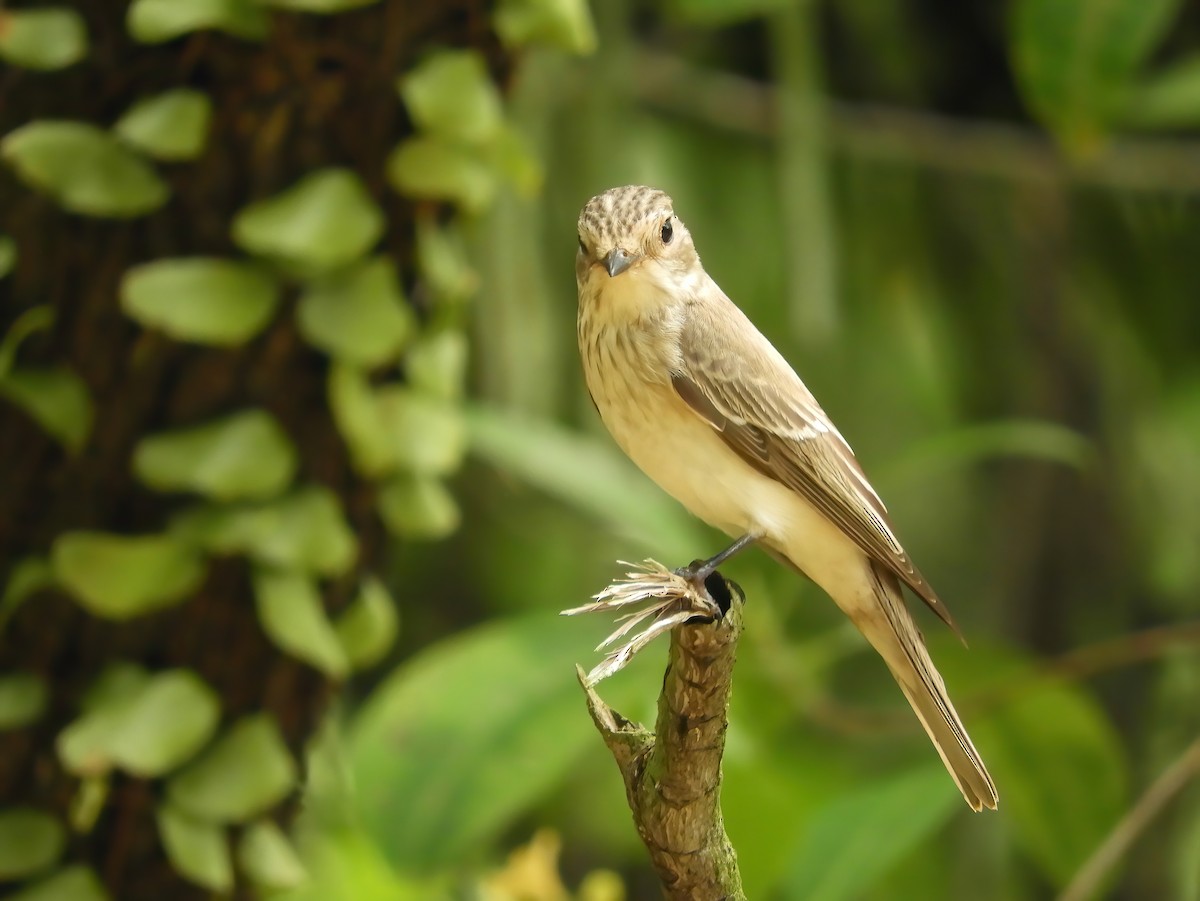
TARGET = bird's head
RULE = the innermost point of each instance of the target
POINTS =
(633, 232)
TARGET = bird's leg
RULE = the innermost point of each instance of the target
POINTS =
(698, 571)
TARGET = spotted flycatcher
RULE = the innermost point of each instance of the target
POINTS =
(707, 407)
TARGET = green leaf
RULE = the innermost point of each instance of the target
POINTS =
(245, 455)
(325, 220)
(197, 849)
(45, 39)
(203, 299)
(155, 21)
(451, 95)
(146, 726)
(437, 364)
(172, 125)
(442, 259)
(86, 170)
(1075, 59)
(357, 315)
(587, 473)
(1168, 99)
(367, 629)
(291, 612)
(56, 399)
(27, 576)
(267, 857)
(246, 772)
(119, 576)
(456, 736)
(352, 401)
(853, 842)
(318, 6)
(558, 23)
(8, 255)
(428, 435)
(434, 169)
(303, 531)
(22, 701)
(418, 507)
(1030, 438)
(30, 841)
(76, 883)
(513, 158)
(30, 322)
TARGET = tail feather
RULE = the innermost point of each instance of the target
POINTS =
(896, 637)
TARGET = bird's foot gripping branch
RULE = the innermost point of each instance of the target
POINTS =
(672, 776)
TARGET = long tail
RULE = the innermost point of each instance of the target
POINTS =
(895, 636)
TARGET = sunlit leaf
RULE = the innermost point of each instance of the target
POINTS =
(120, 576)
(853, 842)
(46, 39)
(303, 531)
(246, 772)
(86, 170)
(437, 364)
(352, 400)
(155, 21)
(1074, 59)
(587, 473)
(246, 455)
(292, 613)
(30, 841)
(325, 220)
(451, 95)
(1168, 99)
(513, 157)
(367, 629)
(267, 857)
(436, 169)
(22, 700)
(462, 778)
(8, 255)
(203, 299)
(561, 23)
(57, 399)
(145, 725)
(172, 125)
(357, 315)
(77, 883)
(429, 435)
(197, 849)
(443, 259)
(418, 507)
(346, 865)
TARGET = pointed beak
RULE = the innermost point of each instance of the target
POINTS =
(618, 261)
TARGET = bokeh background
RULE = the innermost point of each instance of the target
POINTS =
(973, 228)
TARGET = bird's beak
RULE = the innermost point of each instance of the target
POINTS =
(618, 261)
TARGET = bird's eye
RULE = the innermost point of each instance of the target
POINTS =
(668, 232)
(582, 246)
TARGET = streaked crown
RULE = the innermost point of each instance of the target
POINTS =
(610, 217)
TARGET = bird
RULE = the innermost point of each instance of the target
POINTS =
(706, 407)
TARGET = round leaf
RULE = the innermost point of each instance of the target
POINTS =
(172, 125)
(367, 628)
(302, 531)
(201, 299)
(246, 455)
(268, 858)
(76, 883)
(30, 840)
(451, 95)
(418, 507)
(353, 404)
(120, 577)
(22, 700)
(57, 400)
(437, 364)
(197, 849)
(442, 260)
(46, 39)
(429, 435)
(325, 220)
(434, 169)
(560, 23)
(8, 255)
(246, 772)
(84, 169)
(357, 315)
(154, 21)
(292, 614)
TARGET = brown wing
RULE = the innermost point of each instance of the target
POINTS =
(762, 410)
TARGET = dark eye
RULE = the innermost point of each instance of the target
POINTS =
(667, 232)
